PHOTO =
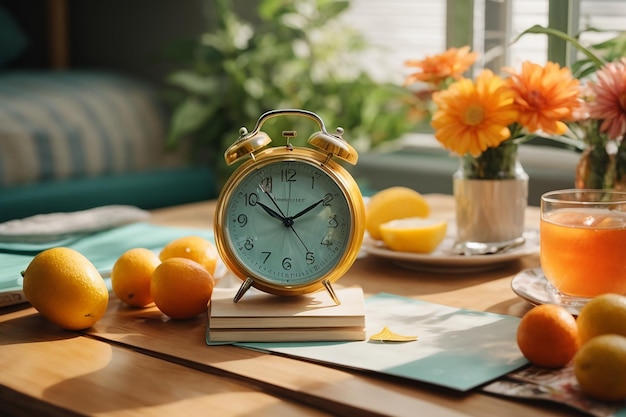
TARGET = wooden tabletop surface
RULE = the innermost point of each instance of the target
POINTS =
(137, 362)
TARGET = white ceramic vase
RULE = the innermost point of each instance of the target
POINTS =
(491, 210)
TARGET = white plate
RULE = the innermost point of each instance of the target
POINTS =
(532, 286)
(441, 260)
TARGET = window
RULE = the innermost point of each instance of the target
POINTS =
(398, 30)
(411, 29)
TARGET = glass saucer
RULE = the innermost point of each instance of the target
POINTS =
(532, 286)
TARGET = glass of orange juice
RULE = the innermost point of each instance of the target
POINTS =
(583, 242)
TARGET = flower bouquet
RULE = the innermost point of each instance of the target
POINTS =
(600, 124)
(483, 121)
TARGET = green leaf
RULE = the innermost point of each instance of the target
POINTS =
(331, 9)
(613, 48)
(187, 118)
(193, 83)
(537, 29)
(270, 9)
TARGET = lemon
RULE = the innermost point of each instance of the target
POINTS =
(603, 314)
(181, 288)
(196, 248)
(600, 367)
(413, 234)
(393, 203)
(66, 288)
(131, 275)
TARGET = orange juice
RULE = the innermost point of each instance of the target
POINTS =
(583, 251)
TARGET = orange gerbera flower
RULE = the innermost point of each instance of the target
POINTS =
(545, 96)
(472, 117)
(436, 68)
(610, 99)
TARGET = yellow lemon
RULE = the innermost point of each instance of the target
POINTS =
(603, 314)
(393, 203)
(66, 288)
(131, 275)
(600, 367)
(413, 234)
(196, 248)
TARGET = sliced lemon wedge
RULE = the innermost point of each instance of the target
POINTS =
(393, 203)
(414, 234)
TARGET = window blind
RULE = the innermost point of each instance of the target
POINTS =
(399, 30)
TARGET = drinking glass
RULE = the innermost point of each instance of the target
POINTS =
(583, 242)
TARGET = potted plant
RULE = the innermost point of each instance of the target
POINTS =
(299, 54)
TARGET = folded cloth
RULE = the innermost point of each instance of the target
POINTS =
(52, 227)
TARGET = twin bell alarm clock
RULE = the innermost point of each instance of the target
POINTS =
(290, 220)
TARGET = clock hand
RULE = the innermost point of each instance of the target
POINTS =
(287, 221)
(271, 212)
(311, 207)
(272, 199)
(306, 210)
(300, 239)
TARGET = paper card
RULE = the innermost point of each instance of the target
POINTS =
(456, 348)
(554, 385)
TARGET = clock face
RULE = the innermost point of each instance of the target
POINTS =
(288, 222)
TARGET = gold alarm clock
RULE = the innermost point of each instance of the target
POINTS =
(290, 220)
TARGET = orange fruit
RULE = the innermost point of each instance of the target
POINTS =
(391, 204)
(548, 336)
(181, 288)
(413, 234)
(131, 275)
(600, 367)
(603, 314)
(66, 288)
(195, 248)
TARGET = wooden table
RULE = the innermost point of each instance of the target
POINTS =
(137, 362)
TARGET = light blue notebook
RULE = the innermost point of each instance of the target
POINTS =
(102, 249)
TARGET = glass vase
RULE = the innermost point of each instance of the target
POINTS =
(602, 168)
(491, 195)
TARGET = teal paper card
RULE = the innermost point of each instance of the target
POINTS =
(456, 348)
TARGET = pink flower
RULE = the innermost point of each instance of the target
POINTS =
(610, 99)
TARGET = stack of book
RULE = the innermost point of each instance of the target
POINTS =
(261, 317)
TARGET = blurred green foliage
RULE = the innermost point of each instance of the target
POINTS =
(296, 54)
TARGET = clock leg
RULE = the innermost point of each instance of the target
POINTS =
(331, 292)
(242, 290)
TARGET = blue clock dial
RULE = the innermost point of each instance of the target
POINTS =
(288, 222)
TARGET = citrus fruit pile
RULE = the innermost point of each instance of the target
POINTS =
(67, 289)
(399, 216)
(179, 280)
(595, 343)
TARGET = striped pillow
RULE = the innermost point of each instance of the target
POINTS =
(61, 125)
